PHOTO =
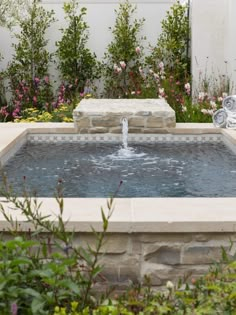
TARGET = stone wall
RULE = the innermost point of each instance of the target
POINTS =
(105, 115)
(160, 256)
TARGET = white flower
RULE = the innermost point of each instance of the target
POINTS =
(220, 99)
(161, 65)
(213, 105)
(184, 109)
(210, 112)
(201, 95)
(140, 70)
(133, 93)
(150, 71)
(161, 90)
(122, 64)
(204, 111)
(138, 50)
(187, 86)
(169, 285)
(224, 95)
(156, 76)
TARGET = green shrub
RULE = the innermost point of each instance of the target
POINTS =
(215, 293)
(123, 55)
(172, 46)
(28, 71)
(44, 268)
(78, 66)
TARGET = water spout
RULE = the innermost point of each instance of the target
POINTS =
(125, 130)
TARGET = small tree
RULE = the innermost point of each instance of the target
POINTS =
(10, 11)
(122, 59)
(31, 59)
(172, 44)
(77, 64)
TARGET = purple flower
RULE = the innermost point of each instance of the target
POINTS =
(14, 309)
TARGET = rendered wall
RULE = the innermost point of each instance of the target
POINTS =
(100, 16)
(213, 38)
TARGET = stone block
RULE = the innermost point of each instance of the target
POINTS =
(130, 269)
(201, 254)
(115, 130)
(107, 121)
(83, 122)
(83, 130)
(164, 238)
(163, 254)
(135, 130)
(109, 113)
(155, 122)
(136, 122)
(155, 130)
(98, 130)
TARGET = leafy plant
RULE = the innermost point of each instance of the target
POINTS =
(42, 268)
(31, 59)
(172, 46)
(212, 294)
(123, 56)
(78, 66)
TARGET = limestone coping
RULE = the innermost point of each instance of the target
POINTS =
(122, 106)
(133, 215)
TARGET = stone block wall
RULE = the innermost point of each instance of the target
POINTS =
(160, 256)
(105, 116)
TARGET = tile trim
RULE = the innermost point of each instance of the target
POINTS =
(150, 138)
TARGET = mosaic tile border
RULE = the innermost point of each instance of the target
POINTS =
(60, 138)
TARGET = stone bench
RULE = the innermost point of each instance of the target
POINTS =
(105, 115)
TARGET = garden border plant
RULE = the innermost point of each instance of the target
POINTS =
(77, 64)
(123, 57)
(42, 267)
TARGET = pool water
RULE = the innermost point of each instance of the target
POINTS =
(146, 170)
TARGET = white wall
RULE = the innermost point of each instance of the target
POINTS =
(100, 16)
(213, 38)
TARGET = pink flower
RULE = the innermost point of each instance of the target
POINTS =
(187, 88)
(14, 309)
(36, 80)
(122, 64)
(46, 79)
(161, 65)
(138, 50)
(35, 99)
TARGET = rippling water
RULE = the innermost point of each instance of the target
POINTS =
(147, 170)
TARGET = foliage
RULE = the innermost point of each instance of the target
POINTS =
(78, 66)
(44, 268)
(10, 11)
(31, 60)
(123, 56)
(172, 45)
(212, 294)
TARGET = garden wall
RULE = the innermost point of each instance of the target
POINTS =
(213, 38)
(100, 16)
(161, 256)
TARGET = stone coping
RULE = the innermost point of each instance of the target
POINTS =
(142, 215)
(132, 215)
